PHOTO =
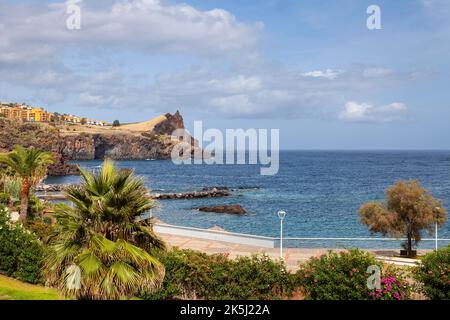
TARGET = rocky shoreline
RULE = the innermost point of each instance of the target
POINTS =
(204, 193)
(57, 189)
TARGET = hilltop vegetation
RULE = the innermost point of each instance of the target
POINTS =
(42, 136)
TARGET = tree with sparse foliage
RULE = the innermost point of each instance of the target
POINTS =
(99, 243)
(83, 121)
(116, 123)
(30, 165)
(408, 210)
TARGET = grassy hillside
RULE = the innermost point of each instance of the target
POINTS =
(11, 289)
(145, 126)
(126, 128)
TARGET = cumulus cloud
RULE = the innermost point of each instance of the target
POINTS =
(265, 92)
(35, 49)
(364, 112)
(147, 25)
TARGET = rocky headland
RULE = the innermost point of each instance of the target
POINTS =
(152, 141)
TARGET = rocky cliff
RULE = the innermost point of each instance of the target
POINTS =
(119, 146)
(113, 144)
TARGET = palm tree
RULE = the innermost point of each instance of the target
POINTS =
(30, 165)
(100, 248)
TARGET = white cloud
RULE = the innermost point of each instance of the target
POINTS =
(35, 47)
(364, 112)
(328, 74)
(147, 25)
(263, 92)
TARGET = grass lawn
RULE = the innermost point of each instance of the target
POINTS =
(12, 289)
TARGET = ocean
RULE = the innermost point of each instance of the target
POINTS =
(321, 191)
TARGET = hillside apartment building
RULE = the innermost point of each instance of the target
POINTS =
(25, 113)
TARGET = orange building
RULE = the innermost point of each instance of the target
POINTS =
(24, 113)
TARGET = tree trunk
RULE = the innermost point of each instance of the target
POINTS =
(409, 252)
(24, 196)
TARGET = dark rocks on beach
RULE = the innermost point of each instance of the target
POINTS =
(238, 188)
(230, 209)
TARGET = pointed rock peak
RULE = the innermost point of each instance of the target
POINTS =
(172, 122)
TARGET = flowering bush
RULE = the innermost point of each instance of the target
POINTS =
(336, 276)
(392, 288)
(433, 274)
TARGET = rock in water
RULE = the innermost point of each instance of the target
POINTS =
(230, 209)
(204, 193)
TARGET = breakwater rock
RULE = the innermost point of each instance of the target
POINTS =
(204, 193)
(230, 209)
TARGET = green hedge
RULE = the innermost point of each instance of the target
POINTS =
(4, 198)
(195, 275)
(337, 276)
(433, 274)
(21, 254)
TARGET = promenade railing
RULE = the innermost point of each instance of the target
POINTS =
(288, 242)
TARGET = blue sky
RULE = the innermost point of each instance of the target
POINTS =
(310, 68)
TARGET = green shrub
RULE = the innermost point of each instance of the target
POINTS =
(4, 198)
(35, 206)
(337, 276)
(12, 186)
(21, 254)
(196, 275)
(433, 274)
(47, 220)
(39, 227)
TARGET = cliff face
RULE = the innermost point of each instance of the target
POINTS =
(117, 145)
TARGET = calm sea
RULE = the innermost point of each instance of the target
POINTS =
(321, 191)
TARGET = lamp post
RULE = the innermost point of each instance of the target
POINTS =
(281, 215)
(436, 228)
(436, 231)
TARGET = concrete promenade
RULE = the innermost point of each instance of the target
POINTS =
(292, 256)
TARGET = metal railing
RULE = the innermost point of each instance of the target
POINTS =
(216, 235)
(262, 241)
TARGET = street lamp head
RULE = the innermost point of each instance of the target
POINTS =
(281, 214)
